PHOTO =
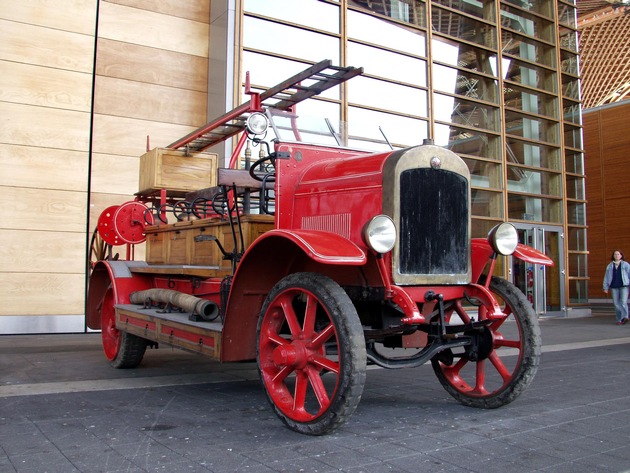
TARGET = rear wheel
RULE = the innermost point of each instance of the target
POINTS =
(122, 349)
(311, 353)
(506, 356)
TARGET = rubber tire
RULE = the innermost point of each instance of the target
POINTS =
(526, 365)
(122, 349)
(350, 343)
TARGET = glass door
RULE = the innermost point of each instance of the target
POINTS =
(542, 285)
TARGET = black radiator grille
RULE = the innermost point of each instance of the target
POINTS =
(434, 236)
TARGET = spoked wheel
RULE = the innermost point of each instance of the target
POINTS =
(311, 353)
(99, 250)
(122, 349)
(505, 358)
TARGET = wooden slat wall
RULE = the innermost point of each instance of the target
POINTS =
(46, 57)
(151, 80)
(607, 188)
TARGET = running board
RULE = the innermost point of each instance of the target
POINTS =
(170, 328)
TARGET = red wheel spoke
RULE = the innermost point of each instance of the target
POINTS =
(323, 336)
(276, 338)
(326, 363)
(508, 343)
(282, 374)
(453, 374)
(319, 388)
(500, 367)
(480, 374)
(309, 316)
(299, 397)
(461, 312)
(497, 323)
(285, 302)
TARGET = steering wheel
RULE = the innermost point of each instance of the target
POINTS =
(264, 169)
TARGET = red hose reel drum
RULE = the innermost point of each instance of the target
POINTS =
(120, 224)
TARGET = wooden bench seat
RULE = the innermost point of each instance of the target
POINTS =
(228, 177)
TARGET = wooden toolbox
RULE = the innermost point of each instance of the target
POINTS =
(187, 243)
(176, 172)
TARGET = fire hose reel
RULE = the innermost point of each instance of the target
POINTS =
(120, 224)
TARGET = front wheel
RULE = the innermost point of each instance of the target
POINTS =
(311, 353)
(507, 360)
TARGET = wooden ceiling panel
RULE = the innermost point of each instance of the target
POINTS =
(604, 28)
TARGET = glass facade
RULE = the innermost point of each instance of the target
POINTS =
(494, 81)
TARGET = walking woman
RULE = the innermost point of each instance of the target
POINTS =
(617, 279)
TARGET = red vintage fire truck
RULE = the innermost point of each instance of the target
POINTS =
(315, 260)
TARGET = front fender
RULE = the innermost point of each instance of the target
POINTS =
(274, 255)
(323, 247)
(481, 251)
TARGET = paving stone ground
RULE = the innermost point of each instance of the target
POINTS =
(63, 409)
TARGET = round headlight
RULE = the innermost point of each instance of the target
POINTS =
(257, 123)
(380, 234)
(503, 238)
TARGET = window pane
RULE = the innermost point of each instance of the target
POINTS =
(569, 62)
(531, 101)
(567, 14)
(464, 56)
(484, 173)
(528, 49)
(465, 112)
(533, 181)
(577, 265)
(312, 115)
(409, 11)
(525, 207)
(466, 83)
(572, 136)
(527, 24)
(399, 130)
(533, 128)
(578, 291)
(544, 8)
(272, 37)
(569, 39)
(387, 64)
(313, 13)
(533, 154)
(572, 111)
(388, 34)
(570, 87)
(472, 8)
(574, 161)
(576, 213)
(530, 75)
(471, 142)
(481, 228)
(486, 204)
(390, 96)
(576, 239)
(462, 27)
